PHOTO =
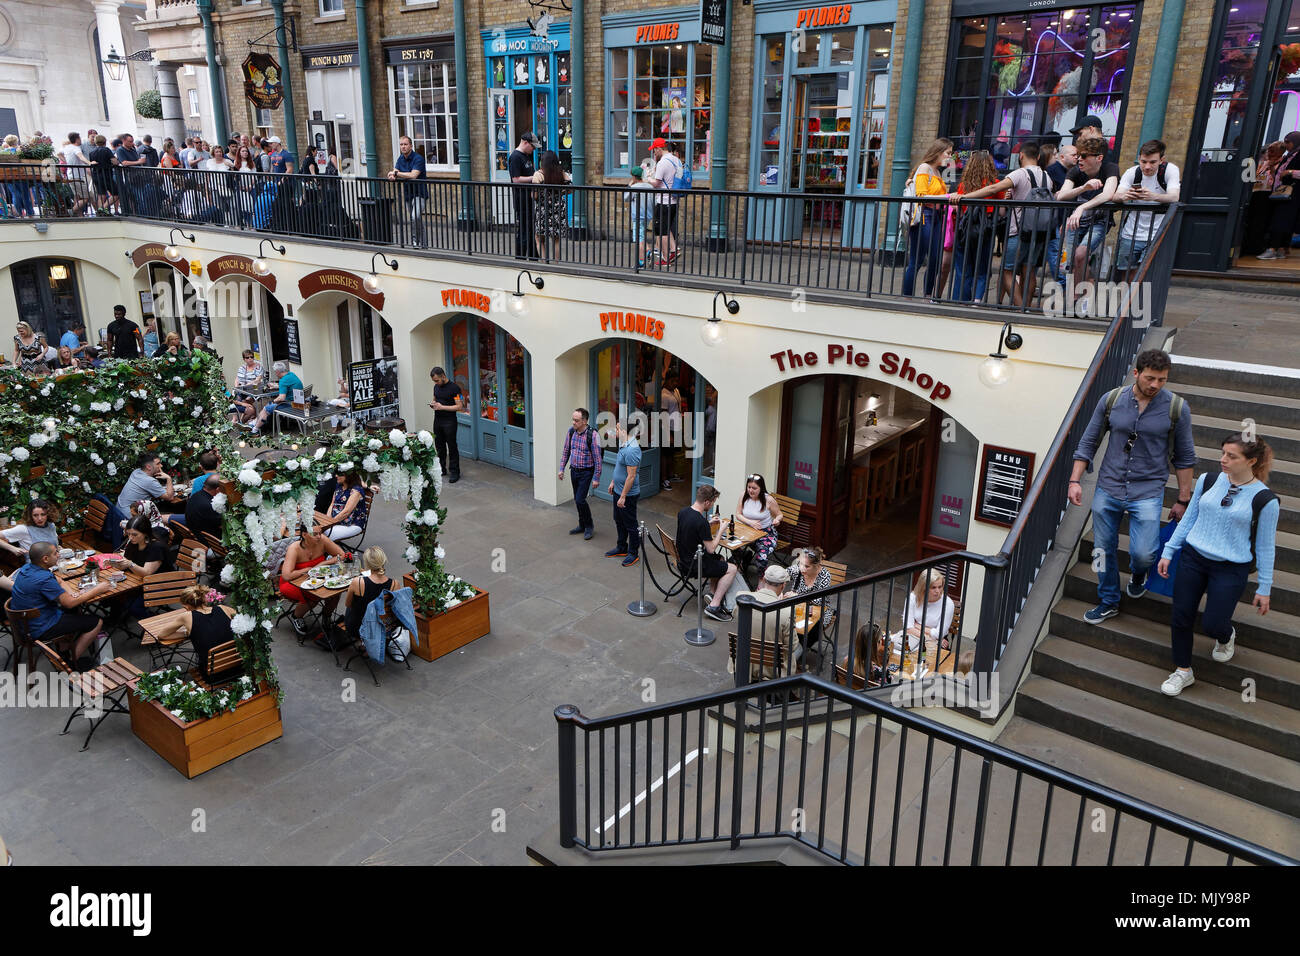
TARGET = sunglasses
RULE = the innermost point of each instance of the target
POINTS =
(1128, 445)
(1227, 499)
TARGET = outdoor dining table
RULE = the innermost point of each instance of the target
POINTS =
(314, 417)
(71, 581)
(745, 535)
(326, 614)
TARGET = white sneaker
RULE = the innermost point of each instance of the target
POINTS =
(1223, 652)
(1268, 254)
(1175, 682)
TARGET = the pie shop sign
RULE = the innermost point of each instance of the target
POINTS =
(262, 82)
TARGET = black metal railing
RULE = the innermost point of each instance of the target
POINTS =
(855, 781)
(972, 254)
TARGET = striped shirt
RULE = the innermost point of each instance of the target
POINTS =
(247, 376)
(583, 453)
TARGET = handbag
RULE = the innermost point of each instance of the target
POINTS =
(1155, 583)
(1281, 193)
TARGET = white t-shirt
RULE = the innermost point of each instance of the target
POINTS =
(72, 156)
(1146, 224)
(936, 618)
(666, 171)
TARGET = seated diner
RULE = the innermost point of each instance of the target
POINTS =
(693, 532)
(286, 383)
(347, 513)
(36, 525)
(310, 550)
(365, 588)
(206, 626)
(35, 587)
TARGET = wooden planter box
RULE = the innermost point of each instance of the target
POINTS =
(443, 633)
(199, 746)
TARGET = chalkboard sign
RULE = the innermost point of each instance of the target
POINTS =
(1005, 476)
(291, 341)
(205, 321)
(713, 21)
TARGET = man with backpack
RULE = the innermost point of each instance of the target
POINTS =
(1152, 180)
(582, 453)
(1149, 429)
(668, 169)
(1028, 229)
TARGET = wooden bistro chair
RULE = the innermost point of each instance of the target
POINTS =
(224, 665)
(91, 536)
(192, 556)
(769, 655)
(18, 624)
(793, 532)
(216, 549)
(392, 627)
(105, 687)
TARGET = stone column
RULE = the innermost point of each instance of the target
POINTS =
(121, 104)
(173, 115)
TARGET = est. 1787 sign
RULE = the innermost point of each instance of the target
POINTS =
(262, 83)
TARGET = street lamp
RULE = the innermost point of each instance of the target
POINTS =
(516, 304)
(371, 282)
(995, 371)
(115, 63)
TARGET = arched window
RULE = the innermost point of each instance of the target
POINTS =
(99, 74)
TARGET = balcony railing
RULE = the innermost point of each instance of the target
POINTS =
(846, 246)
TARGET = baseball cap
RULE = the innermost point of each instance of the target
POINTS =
(530, 137)
(775, 574)
(1089, 120)
(659, 143)
(274, 139)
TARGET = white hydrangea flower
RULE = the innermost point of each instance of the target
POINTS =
(413, 516)
(228, 575)
(72, 446)
(281, 488)
(291, 464)
(425, 438)
(144, 425)
(370, 463)
(85, 485)
(439, 552)
(177, 400)
(111, 468)
(374, 444)
(21, 454)
(117, 405)
(431, 517)
(219, 503)
(250, 478)
(37, 440)
(347, 466)
(320, 453)
(412, 554)
(77, 409)
(397, 438)
(242, 624)
(253, 499)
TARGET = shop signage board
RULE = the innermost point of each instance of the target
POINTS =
(205, 320)
(1005, 474)
(372, 388)
(263, 85)
(840, 357)
(241, 266)
(292, 341)
(153, 252)
(336, 280)
(329, 59)
(713, 21)
(425, 52)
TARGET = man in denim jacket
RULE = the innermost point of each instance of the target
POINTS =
(1134, 471)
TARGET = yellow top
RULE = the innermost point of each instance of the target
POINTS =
(928, 185)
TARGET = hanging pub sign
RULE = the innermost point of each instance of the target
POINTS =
(713, 21)
(1005, 474)
(292, 343)
(262, 83)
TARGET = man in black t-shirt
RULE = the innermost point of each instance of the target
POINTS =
(520, 166)
(448, 399)
(124, 339)
(1091, 183)
(693, 532)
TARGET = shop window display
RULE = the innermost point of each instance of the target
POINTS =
(1027, 75)
(424, 97)
(660, 91)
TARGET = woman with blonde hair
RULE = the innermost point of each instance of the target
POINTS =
(29, 350)
(925, 238)
(372, 582)
(171, 346)
(1229, 528)
(206, 626)
(928, 615)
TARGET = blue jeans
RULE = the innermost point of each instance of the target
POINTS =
(1129, 253)
(924, 245)
(970, 279)
(20, 194)
(1054, 257)
(1221, 582)
(1094, 235)
(580, 478)
(1143, 538)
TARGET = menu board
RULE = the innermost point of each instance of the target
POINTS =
(291, 341)
(205, 320)
(1005, 476)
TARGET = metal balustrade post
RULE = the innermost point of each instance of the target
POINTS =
(988, 637)
(745, 605)
(568, 758)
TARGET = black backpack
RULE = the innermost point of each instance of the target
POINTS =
(1160, 176)
(1257, 505)
(1039, 219)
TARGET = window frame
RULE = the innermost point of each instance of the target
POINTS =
(339, 13)
(449, 113)
(615, 142)
(194, 101)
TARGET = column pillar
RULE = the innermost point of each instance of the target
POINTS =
(905, 118)
(721, 119)
(1162, 71)
(121, 105)
(578, 99)
(465, 219)
(220, 121)
(173, 116)
(290, 122)
(367, 97)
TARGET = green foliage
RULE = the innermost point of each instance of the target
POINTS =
(149, 104)
(187, 700)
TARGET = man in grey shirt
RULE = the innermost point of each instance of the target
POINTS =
(144, 484)
(1142, 419)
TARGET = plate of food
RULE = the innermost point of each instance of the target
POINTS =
(70, 564)
(337, 583)
(311, 584)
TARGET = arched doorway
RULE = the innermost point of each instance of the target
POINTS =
(47, 295)
(494, 370)
(633, 377)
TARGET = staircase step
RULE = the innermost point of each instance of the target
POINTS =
(1241, 818)
(1277, 634)
(1284, 479)
(1288, 519)
(1118, 676)
(1283, 596)
(1186, 376)
(1209, 432)
(1199, 755)
(1286, 557)
(1234, 404)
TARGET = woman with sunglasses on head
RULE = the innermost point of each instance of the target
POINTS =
(1230, 526)
(759, 510)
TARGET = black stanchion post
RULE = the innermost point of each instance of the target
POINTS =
(642, 608)
(699, 636)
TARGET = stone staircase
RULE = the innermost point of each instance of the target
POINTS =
(1227, 751)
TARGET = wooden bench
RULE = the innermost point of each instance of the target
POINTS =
(766, 656)
(797, 533)
(105, 686)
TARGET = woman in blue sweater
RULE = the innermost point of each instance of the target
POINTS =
(1218, 555)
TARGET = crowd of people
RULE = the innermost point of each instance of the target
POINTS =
(1065, 230)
